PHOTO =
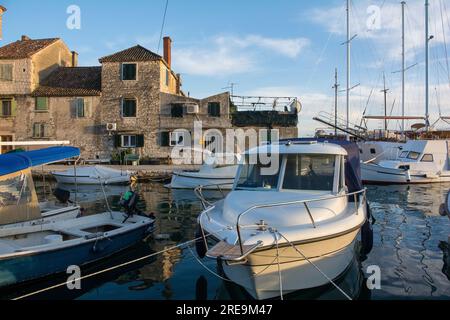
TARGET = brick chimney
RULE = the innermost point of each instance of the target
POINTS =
(74, 59)
(168, 51)
(2, 10)
(25, 38)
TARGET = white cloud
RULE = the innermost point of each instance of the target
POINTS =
(384, 30)
(215, 62)
(227, 55)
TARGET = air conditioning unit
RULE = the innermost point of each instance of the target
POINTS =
(192, 109)
(111, 126)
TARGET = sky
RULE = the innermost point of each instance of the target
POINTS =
(267, 47)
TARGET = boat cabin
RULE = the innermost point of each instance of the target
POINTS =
(293, 167)
(422, 154)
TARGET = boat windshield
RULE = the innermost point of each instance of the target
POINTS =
(15, 190)
(254, 176)
(403, 154)
(309, 172)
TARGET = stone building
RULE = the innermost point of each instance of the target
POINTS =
(24, 64)
(133, 102)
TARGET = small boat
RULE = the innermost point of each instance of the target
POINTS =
(218, 171)
(275, 230)
(93, 175)
(33, 250)
(17, 188)
(420, 161)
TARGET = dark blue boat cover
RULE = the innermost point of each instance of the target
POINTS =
(14, 162)
(352, 165)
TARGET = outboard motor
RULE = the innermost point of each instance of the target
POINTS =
(129, 203)
(62, 195)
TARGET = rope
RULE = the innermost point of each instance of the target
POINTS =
(109, 269)
(106, 198)
(162, 26)
(279, 267)
(207, 269)
(316, 267)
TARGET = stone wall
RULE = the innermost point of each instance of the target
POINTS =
(145, 90)
(48, 59)
(22, 78)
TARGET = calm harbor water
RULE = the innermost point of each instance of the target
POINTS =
(410, 247)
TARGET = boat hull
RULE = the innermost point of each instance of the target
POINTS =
(375, 174)
(66, 179)
(259, 276)
(192, 181)
(35, 265)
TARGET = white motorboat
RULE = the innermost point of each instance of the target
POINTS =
(420, 161)
(218, 171)
(93, 175)
(274, 232)
(376, 151)
(31, 248)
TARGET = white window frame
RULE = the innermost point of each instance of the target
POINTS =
(129, 144)
(174, 137)
(122, 68)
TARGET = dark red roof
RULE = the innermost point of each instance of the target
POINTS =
(71, 82)
(24, 48)
(136, 53)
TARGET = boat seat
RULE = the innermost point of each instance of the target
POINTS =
(231, 252)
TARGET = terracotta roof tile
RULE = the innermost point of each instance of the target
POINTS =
(24, 48)
(136, 53)
(68, 82)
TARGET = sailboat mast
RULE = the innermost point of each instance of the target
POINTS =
(335, 87)
(427, 90)
(403, 69)
(348, 68)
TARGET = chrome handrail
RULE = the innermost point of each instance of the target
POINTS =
(199, 193)
(304, 202)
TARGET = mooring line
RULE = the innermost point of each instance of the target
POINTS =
(109, 269)
(315, 266)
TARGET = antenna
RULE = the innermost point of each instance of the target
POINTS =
(231, 86)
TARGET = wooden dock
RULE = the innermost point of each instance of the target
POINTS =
(144, 173)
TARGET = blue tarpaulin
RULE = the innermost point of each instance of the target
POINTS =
(14, 162)
(352, 165)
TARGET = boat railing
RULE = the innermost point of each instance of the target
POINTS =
(199, 193)
(355, 195)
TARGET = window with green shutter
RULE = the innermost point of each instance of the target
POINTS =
(7, 108)
(41, 104)
(164, 139)
(129, 108)
(6, 72)
(214, 109)
(129, 71)
(80, 105)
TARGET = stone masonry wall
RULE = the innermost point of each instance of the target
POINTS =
(145, 89)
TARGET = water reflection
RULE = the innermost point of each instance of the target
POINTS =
(410, 247)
